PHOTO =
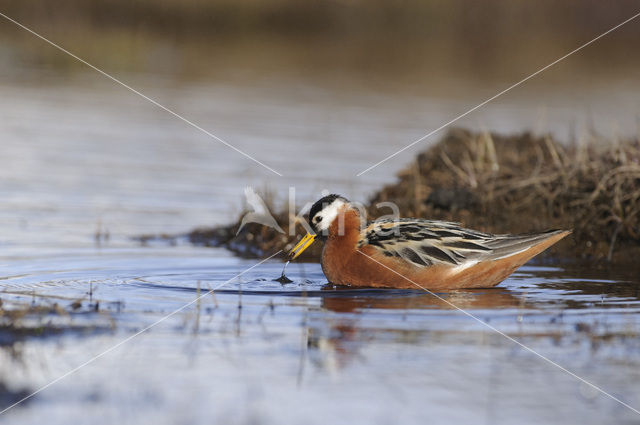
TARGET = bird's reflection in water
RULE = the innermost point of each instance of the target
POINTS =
(336, 341)
(490, 298)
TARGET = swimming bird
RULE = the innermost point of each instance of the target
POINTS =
(413, 253)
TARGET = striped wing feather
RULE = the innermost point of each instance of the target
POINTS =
(428, 242)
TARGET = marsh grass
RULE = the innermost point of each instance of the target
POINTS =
(523, 183)
(44, 316)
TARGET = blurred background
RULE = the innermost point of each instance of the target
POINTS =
(317, 90)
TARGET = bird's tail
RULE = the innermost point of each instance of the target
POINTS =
(531, 244)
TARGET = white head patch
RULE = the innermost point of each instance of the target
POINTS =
(323, 219)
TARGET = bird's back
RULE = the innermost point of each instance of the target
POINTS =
(433, 242)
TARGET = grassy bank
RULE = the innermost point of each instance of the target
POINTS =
(381, 40)
(521, 183)
(410, 18)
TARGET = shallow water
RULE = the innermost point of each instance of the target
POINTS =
(258, 351)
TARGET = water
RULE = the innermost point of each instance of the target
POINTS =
(81, 158)
(260, 351)
(82, 154)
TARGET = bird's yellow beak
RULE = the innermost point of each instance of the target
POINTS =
(301, 246)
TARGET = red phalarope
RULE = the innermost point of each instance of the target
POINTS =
(410, 253)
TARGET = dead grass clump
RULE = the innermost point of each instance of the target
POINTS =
(524, 183)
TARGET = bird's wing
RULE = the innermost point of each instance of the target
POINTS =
(428, 242)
